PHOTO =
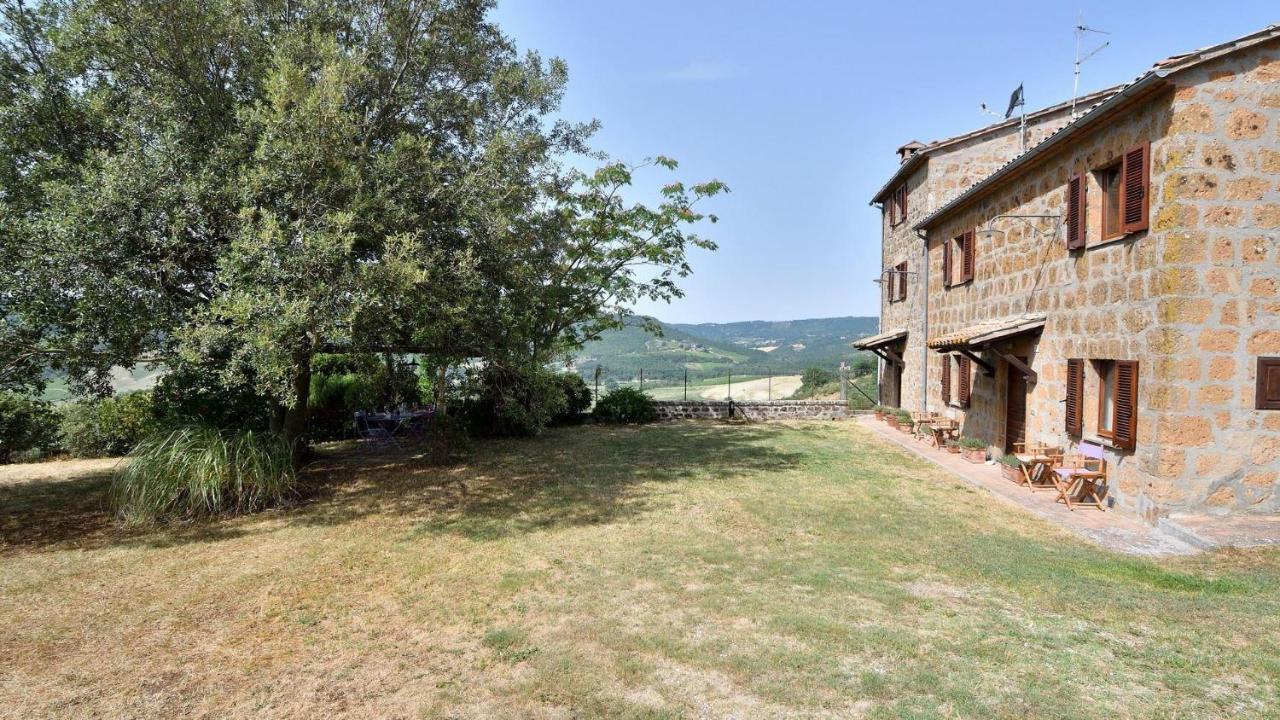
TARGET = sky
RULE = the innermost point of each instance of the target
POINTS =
(800, 106)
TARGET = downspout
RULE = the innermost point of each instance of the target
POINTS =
(924, 321)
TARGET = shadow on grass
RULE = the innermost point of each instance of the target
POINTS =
(569, 476)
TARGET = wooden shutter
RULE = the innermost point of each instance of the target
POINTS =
(946, 379)
(962, 365)
(1126, 425)
(970, 252)
(1268, 393)
(1135, 181)
(891, 288)
(903, 203)
(946, 263)
(902, 281)
(1076, 189)
(1075, 396)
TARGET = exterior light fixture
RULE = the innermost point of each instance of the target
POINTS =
(991, 233)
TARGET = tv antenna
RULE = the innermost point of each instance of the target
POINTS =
(1081, 31)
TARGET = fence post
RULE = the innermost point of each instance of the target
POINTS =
(770, 371)
(641, 379)
(686, 383)
(844, 383)
(730, 387)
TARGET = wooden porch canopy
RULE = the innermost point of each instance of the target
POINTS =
(879, 344)
(988, 334)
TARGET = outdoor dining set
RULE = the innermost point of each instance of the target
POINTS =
(392, 428)
(1078, 478)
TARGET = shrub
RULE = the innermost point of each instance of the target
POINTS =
(334, 400)
(970, 443)
(110, 426)
(577, 398)
(504, 400)
(625, 405)
(1011, 460)
(200, 393)
(25, 424)
(816, 377)
(201, 472)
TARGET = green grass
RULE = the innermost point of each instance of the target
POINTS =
(672, 570)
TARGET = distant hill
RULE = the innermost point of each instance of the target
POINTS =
(707, 350)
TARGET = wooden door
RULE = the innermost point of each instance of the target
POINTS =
(1015, 406)
(897, 386)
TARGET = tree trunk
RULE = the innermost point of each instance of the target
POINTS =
(440, 388)
(295, 416)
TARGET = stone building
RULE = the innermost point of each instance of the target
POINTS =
(1117, 282)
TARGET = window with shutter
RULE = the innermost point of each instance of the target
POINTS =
(946, 263)
(902, 281)
(1135, 181)
(970, 253)
(891, 285)
(1076, 189)
(962, 367)
(1075, 396)
(946, 379)
(1125, 433)
(1268, 393)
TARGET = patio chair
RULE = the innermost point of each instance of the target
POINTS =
(1079, 477)
(379, 437)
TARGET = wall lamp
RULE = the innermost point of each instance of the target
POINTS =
(990, 233)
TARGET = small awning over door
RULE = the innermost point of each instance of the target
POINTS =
(879, 344)
(990, 335)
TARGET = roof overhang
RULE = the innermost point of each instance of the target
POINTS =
(1142, 88)
(976, 337)
(876, 341)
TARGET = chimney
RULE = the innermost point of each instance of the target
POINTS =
(908, 150)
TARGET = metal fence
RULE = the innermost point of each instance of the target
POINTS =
(766, 384)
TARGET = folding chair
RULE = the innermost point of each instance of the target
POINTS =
(379, 437)
(1080, 475)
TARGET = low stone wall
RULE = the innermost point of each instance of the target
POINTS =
(752, 410)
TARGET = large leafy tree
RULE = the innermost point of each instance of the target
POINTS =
(258, 181)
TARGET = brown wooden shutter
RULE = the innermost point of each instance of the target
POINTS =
(902, 281)
(1075, 396)
(946, 263)
(1268, 393)
(1135, 181)
(962, 364)
(891, 288)
(1076, 189)
(946, 379)
(970, 252)
(1126, 425)
(904, 201)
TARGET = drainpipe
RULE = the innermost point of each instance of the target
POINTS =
(924, 322)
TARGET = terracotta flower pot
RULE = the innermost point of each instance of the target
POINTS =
(976, 457)
(1011, 473)
(879, 415)
(893, 421)
(953, 449)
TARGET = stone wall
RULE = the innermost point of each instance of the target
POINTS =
(753, 410)
(1195, 299)
(946, 172)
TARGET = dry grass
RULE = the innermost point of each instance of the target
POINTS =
(679, 570)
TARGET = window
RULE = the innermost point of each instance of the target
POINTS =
(1117, 400)
(1109, 183)
(946, 379)
(1268, 395)
(898, 205)
(901, 272)
(1106, 398)
(963, 246)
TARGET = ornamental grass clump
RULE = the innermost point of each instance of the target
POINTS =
(199, 472)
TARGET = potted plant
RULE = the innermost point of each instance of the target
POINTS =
(904, 421)
(973, 449)
(891, 417)
(879, 409)
(1011, 468)
(953, 446)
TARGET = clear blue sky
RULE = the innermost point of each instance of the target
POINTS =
(799, 107)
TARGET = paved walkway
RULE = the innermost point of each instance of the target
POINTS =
(1111, 529)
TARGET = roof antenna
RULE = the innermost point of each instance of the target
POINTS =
(1081, 30)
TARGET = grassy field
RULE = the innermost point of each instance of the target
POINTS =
(747, 387)
(675, 570)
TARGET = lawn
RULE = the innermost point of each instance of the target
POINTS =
(675, 570)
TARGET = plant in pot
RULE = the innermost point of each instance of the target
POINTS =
(953, 446)
(1011, 468)
(904, 421)
(973, 449)
(879, 410)
(891, 417)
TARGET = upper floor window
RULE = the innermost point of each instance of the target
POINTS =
(898, 205)
(1109, 183)
(958, 257)
(1124, 186)
(898, 282)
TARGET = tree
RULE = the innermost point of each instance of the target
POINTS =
(262, 182)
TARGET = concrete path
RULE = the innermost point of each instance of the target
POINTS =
(1111, 529)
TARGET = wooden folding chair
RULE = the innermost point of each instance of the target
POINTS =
(1079, 477)
(1038, 461)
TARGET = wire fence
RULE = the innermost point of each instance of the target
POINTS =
(681, 384)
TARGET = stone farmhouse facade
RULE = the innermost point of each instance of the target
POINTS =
(1118, 282)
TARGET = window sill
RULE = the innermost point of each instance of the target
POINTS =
(961, 283)
(1108, 444)
(1113, 241)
